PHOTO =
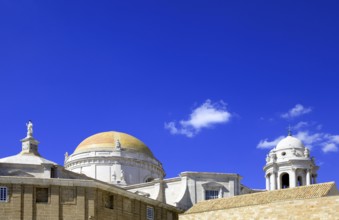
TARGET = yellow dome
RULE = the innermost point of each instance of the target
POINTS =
(106, 141)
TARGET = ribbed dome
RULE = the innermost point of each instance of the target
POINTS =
(289, 142)
(107, 140)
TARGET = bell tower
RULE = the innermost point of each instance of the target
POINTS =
(289, 164)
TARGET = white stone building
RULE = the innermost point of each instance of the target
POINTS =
(190, 188)
(33, 188)
(121, 159)
(289, 164)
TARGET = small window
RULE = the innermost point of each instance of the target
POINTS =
(150, 213)
(41, 195)
(211, 194)
(3, 194)
(109, 201)
(283, 153)
(53, 172)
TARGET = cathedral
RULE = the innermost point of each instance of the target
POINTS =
(113, 175)
(123, 160)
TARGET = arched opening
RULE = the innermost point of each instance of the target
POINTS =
(299, 181)
(285, 181)
(313, 179)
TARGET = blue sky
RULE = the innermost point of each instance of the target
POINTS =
(207, 85)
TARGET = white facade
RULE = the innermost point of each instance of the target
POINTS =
(190, 188)
(289, 165)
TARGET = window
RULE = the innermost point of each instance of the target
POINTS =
(3, 194)
(211, 194)
(150, 213)
(285, 181)
(41, 195)
(109, 201)
(53, 172)
(300, 181)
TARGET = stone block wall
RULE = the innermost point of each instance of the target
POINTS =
(67, 202)
(128, 209)
(325, 208)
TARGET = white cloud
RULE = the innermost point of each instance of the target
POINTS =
(335, 138)
(265, 144)
(206, 115)
(331, 147)
(310, 139)
(296, 111)
(327, 142)
(300, 125)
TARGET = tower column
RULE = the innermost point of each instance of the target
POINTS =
(275, 178)
(293, 178)
(308, 177)
(268, 184)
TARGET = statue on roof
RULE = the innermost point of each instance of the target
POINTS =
(29, 125)
(117, 145)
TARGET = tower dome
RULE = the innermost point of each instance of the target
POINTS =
(289, 142)
(116, 158)
(289, 165)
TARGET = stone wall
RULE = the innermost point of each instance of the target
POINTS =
(318, 208)
(71, 202)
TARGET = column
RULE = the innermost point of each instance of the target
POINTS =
(268, 181)
(293, 178)
(275, 185)
(308, 177)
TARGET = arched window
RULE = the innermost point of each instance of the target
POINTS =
(285, 181)
(299, 181)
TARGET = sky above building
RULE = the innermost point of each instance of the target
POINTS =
(208, 85)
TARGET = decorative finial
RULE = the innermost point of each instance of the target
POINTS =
(289, 132)
(29, 125)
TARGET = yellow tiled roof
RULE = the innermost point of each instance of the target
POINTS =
(302, 192)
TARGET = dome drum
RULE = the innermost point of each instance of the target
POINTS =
(116, 158)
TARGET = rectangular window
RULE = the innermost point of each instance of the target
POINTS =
(3, 194)
(150, 213)
(211, 194)
(41, 195)
(109, 201)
